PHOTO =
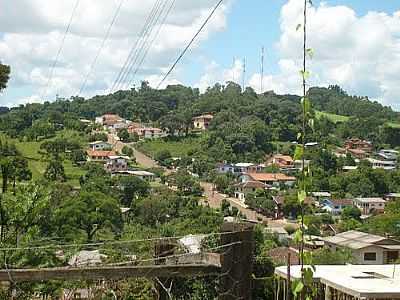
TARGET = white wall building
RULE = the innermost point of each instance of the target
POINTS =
(367, 249)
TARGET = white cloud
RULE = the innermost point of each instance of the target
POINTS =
(29, 43)
(360, 53)
(213, 73)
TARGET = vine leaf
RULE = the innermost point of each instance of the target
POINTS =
(305, 74)
(301, 196)
(311, 123)
(298, 288)
(298, 236)
(298, 153)
(306, 104)
(310, 52)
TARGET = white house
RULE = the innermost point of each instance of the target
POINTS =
(144, 175)
(240, 168)
(382, 164)
(367, 282)
(388, 154)
(366, 249)
(100, 145)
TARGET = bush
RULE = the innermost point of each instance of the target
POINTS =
(127, 151)
(162, 156)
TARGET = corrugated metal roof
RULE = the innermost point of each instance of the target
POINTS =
(355, 239)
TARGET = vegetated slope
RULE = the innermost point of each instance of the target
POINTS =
(245, 124)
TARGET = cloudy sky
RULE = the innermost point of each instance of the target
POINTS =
(356, 44)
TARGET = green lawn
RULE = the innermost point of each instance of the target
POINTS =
(332, 117)
(393, 124)
(177, 148)
(38, 162)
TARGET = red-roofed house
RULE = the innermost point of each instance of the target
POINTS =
(273, 179)
(282, 161)
(98, 155)
(109, 119)
(358, 144)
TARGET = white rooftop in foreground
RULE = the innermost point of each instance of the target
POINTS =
(360, 281)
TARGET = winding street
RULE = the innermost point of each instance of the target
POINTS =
(212, 198)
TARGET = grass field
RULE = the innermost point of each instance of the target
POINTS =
(177, 148)
(332, 117)
(38, 162)
(393, 124)
(340, 119)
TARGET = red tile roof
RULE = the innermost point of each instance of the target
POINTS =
(271, 177)
(342, 202)
(100, 153)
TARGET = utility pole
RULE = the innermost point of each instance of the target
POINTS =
(262, 70)
(233, 69)
(244, 73)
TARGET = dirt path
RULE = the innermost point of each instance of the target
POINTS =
(214, 199)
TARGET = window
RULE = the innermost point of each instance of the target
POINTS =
(370, 256)
(392, 256)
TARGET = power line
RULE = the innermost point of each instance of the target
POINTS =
(133, 52)
(190, 43)
(60, 49)
(142, 42)
(111, 242)
(152, 42)
(83, 86)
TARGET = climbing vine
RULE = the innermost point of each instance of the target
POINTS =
(303, 289)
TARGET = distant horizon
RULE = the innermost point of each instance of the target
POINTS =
(224, 85)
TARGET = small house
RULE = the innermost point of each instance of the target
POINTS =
(202, 122)
(383, 164)
(336, 206)
(370, 205)
(148, 132)
(351, 282)
(100, 145)
(358, 144)
(272, 179)
(366, 249)
(144, 175)
(99, 155)
(116, 163)
(109, 119)
(281, 161)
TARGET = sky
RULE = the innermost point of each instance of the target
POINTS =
(356, 44)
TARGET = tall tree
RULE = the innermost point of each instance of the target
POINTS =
(4, 76)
